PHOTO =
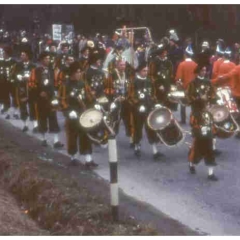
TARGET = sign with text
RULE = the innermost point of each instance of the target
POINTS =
(57, 32)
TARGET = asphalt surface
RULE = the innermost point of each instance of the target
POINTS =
(207, 207)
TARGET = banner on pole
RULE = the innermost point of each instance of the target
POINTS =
(57, 32)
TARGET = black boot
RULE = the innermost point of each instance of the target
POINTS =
(192, 169)
(44, 143)
(217, 152)
(58, 145)
(212, 177)
(16, 116)
(35, 130)
(25, 129)
(237, 135)
(158, 155)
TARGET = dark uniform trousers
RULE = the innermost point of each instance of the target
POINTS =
(11, 89)
(32, 103)
(126, 116)
(140, 120)
(4, 93)
(77, 138)
(47, 118)
(21, 97)
(23, 110)
(8, 89)
(202, 147)
(183, 113)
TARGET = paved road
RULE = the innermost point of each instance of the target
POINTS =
(208, 207)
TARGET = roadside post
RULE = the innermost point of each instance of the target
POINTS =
(113, 163)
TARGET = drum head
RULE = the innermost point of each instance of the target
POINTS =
(219, 113)
(90, 119)
(102, 100)
(159, 118)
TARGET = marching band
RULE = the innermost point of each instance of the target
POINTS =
(137, 81)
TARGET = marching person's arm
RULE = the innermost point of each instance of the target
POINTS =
(62, 95)
(152, 71)
(108, 86)
(131, 94)
(90, 99)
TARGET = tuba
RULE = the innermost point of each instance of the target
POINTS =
(168, 130)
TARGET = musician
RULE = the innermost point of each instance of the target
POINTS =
(76, 97)
(161, 74)
(117, 86)
(175, 52)
(10, 86)
(185, 74)
(219, 59)
(142, 98)
(61, 58)
(63, 75)
(21, 75)
(225, 68)
(94, 75)
(234, 76)
(84, 59)
(3, 82)
(117, 52)
(53, 54)
(200, 93)
(203, 58)
(41, 83)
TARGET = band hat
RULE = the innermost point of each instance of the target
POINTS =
(94, 57)
(189, 50)
(24, 40)
(27, 50)
(219, 50)
(228, 51)
(173, 35)
(90, 44)
(160, 49)
(205, 44)
(74, 67)
(43, 55)
(142, 65)
(118, 33)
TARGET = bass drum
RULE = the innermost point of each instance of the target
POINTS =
(92, 122)
(225, 124)
(166, 127)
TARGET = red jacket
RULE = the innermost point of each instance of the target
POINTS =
(234, 75)
(185, 72)
(216, 65)
(225, 68)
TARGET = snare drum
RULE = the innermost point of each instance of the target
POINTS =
(226, 99)
(92, 122)
(225, 124)
(166, 127)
